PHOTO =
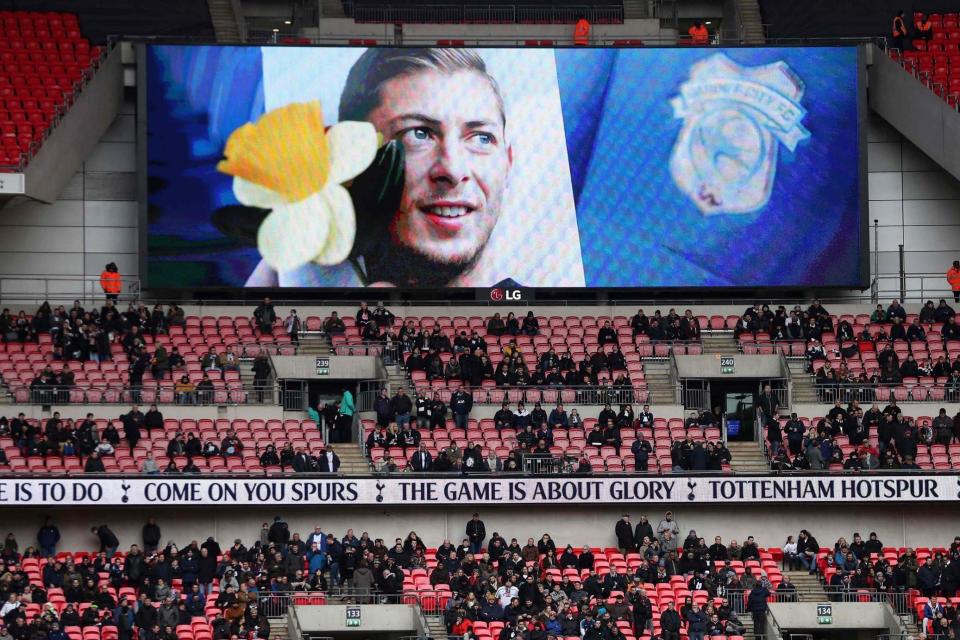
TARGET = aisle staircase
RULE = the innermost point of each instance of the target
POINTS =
(747, 457)
(751, 22)
(720, 342)
(351, 457)
(226, 22)
(804, 385)
(656, 374)
(436, 627)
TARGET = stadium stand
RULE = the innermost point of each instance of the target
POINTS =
(205, 591)
(935, 61)
(122, 445)
(44, 62)
(79, 343)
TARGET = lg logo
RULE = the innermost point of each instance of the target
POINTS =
(501, 295)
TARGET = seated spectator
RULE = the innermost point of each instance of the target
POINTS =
(149, 465)
(531, 326)
(184, 390)
(496, 326)
(229, 361)
(204, 391)
(94, 464)
(210, 361)
(334, 326)
(269, 457)
(607, 334)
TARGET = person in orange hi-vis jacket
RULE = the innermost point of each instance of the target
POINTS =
(110, 281)
(699, 34)
(953, 277)
(581, 32)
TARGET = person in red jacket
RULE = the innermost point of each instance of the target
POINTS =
(581, 32)
(699, 34)
(110, 281)
(953, 277)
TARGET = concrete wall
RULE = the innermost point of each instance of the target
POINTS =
(377, 618)
(896, 525)
(917, 204)
(708, 366)
(93, 222)
(341, 367)
(803, 615)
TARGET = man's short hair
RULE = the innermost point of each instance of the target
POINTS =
(361, 93)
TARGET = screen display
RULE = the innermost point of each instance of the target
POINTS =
(426, 168)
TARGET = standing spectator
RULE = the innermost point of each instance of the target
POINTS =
(461, 403)
(624, 533)
(670, 622)
(698, 34)
(476, 533)
(581, 32)
(261, 373)
(151, 535)
(364, 315)
(344, 417)
(667, 525)
(382, 407)
(402, 405)
(953, 277)
(47, 537)
(757, 606)
(899, 34)
(292, 326)
(264, 316)
(110, 281)
(108, 540)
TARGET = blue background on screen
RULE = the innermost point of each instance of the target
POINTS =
(637, 228)
(196, 97)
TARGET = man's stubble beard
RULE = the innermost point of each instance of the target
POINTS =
(406, 267)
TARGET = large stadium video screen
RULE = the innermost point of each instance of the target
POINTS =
(348, 167)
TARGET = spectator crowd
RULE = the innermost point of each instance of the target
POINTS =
(533, 589)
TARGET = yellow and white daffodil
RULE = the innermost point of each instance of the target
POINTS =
(287, 162)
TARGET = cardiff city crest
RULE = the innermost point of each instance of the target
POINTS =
(734, 119)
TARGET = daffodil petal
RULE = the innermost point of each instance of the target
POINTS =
(294, 233)
(253, 195)
(353, 147)
(342, 224)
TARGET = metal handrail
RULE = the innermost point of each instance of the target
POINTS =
(882, 392)
(579, 395)
(233, 394)
(63, 289)
(483, 40)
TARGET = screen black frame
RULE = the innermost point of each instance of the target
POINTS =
(465, 293)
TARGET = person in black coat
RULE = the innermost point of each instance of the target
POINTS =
(624, 533)
(328, 461)
(644, 530)
(670, 623)
(696, 622)
(421, 461)
(757, 606)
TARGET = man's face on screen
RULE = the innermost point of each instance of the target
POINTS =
(457, 161)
